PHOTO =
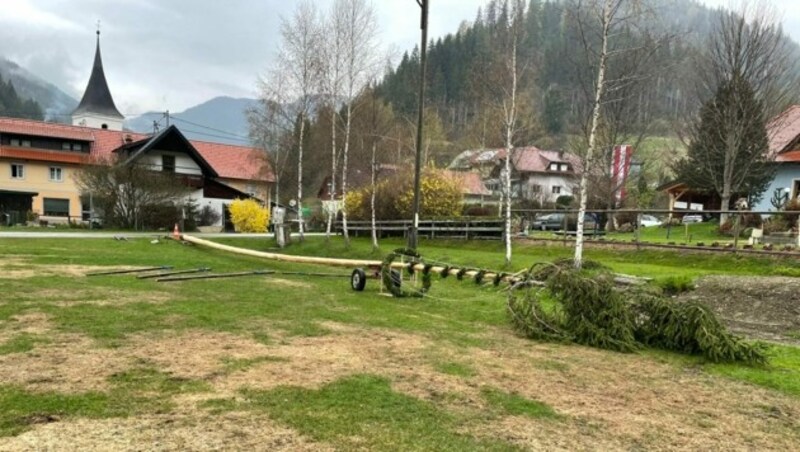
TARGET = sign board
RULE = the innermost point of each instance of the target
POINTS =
(278, 214)
(681, 205)
(695, 206)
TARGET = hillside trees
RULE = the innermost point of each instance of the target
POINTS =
(14, 106)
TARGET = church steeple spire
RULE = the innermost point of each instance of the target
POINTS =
(97, 108)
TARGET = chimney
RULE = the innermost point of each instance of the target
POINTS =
(128, 138)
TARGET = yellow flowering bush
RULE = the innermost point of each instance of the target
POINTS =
(440, 196)
(248, 215)
(394, 198)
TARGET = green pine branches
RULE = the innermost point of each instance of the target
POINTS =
(559, 303)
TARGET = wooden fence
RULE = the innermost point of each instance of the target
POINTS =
(456, 229)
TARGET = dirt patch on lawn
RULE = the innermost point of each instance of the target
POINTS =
(755, 306)
(35, 323)
(66, 363)
(242, 431)
(17, 267)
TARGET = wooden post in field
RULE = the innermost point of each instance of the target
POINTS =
(736, 232)
(638, 229)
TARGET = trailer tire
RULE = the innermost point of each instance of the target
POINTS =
(358, 280)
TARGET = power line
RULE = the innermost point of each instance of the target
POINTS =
(210, 128)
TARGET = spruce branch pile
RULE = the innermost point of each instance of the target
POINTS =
(558, 303)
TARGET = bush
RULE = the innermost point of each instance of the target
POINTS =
(791, 206)
(776, 223)
(248, 215)
(440, 197)
(746, 220)
(564, 201)
(207, 216)
(674, 285)
(480, 211)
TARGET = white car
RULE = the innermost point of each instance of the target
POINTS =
(649, 220)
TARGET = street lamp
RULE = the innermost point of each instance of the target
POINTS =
(414, 234)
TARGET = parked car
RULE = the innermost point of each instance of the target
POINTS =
(649, 220)
(687, 219)
(555, 222)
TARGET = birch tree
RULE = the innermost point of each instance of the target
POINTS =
(333, 55)
(512, 69)
(605, 14)
(360, 59)
(299, 60)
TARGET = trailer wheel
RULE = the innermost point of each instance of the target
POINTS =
(358, 280)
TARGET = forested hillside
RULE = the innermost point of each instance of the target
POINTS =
(556, 86)
(12, 105)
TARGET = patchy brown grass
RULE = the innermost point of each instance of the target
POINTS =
(609, 400)
(19, 267)
(193, 431)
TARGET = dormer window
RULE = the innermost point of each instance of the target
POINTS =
(563, 167)
(168, 163)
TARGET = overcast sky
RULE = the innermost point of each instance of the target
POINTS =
(173, 54)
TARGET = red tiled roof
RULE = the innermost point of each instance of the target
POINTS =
(783, 130)
(44, 129)
(235, 162)
(229, 161)
(471, 183)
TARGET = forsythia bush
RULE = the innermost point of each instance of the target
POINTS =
(249, 216)
(440, 196)
(394, 197)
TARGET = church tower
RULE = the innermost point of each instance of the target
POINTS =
(97, 108)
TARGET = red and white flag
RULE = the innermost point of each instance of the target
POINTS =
(620, 168)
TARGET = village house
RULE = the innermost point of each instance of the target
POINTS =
(784, 146)
(536, 174)
(38, 160)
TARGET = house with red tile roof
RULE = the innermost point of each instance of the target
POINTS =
(39, 160)
(783, 133)
(536, 174)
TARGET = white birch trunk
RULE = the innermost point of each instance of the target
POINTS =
(332, 214)
(300, 179)
(345, 152)
(510, 121)
(372, 200)
(601, 73)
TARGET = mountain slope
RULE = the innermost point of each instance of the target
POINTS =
(221, 119)
(55, 102)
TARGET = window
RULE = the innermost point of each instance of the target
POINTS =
(14, 142)
(54, 207)
(17, 171)
(563, 167)
(77, 147)
(554, 167)
(536, 188)
(25, 143)
(104, 126)
(66, 146)
(556, 190)
(168, 163)
(56, 174)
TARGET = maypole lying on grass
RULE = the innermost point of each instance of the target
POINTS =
(555, 301)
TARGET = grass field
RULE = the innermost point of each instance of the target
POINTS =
(298, 363)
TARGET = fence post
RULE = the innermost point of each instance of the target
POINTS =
(736, 233)
(566, 227)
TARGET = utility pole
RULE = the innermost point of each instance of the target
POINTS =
(413, 236)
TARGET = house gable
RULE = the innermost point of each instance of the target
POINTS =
(168, 150)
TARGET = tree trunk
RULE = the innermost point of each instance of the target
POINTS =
(300, 178)
(332, 214)
(345, 153)
(510, 122)
(725, 202)
(601, 73)
(372, 199)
